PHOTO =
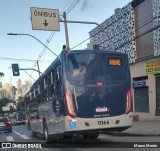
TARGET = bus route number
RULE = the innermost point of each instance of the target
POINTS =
(103, 122)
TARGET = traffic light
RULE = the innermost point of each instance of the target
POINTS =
(15, 69)
(1, 74)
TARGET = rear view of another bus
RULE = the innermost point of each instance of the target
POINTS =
(97, 92)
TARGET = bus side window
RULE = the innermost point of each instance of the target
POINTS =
(39, 98)
(58, 80)
(44, 96)
(41, 86)
(50, 91)
(48, 79)
(36, 91)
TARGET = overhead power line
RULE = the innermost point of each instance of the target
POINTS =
(141, 26)
(71, 7)
(22, 60)
(66, 6)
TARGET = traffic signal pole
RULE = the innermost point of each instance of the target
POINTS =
(15, 69)
(30, 69)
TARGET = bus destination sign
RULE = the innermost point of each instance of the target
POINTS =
(114, 61)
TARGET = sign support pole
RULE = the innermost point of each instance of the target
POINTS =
(83, 22)
(66, 31)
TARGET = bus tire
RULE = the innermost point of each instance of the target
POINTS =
(90, 136)
(29, 128)
(10, 131)
(34, 133)
(46, 134)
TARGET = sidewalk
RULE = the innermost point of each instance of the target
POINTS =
(144, 128)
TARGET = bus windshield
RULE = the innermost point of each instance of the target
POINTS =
(90, 68)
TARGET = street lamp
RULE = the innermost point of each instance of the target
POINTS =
(19, 34)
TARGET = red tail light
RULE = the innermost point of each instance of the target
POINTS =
(8, 123)
(70, 104)
(99, 84)
(128, 102)
(40, 119)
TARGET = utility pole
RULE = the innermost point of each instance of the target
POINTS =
(66, 31)
(38, 68)
(83, 22)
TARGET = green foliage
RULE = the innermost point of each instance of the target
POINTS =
(11, 108)
(3, 103)
(1, 74)
(20, 105)
(5, 94)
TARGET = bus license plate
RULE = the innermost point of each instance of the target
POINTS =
(103, 122)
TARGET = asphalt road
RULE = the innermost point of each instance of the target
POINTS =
(117, 141)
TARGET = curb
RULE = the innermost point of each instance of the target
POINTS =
(131, 134)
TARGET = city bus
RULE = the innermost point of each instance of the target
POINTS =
(83, 92)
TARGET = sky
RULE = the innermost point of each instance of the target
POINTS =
(25, 50)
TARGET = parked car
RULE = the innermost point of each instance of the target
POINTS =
(5, 124)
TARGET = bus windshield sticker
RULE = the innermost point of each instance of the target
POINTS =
(101, 109)
(72, 125)
(114, 61)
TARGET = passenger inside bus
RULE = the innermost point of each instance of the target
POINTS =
(94, 66)
(78, 73)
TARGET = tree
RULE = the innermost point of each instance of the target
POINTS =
(20, 104)
(4, 102)
(1, 74)
(11, 108)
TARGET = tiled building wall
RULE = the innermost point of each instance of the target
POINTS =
(156, 26)
(121, 30)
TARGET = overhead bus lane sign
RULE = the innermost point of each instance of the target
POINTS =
(45, 19)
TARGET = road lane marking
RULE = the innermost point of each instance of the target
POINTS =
(10, 138)
(23, 136)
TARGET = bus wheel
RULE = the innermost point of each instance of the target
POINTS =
(34, 133)
(46, 135)
(90, 136)
(29, 128)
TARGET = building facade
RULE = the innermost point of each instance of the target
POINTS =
(135, 30)
(6, 90)
(22, 88)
